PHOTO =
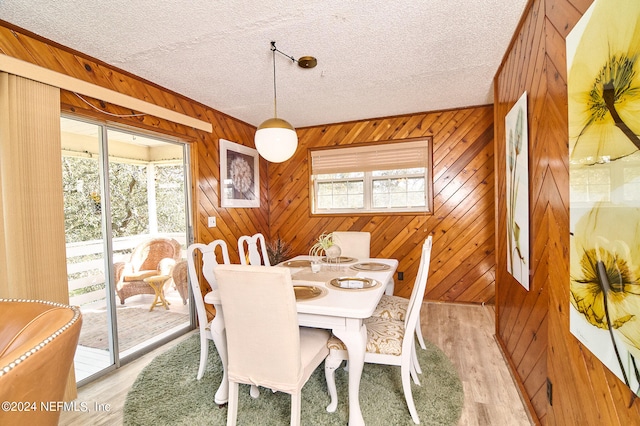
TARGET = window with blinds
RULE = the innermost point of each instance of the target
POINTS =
(373, 178)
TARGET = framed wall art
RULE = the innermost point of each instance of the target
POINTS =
(517, 146)
(603, 84)
(239, 175)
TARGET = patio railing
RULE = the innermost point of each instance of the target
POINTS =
(85, 264)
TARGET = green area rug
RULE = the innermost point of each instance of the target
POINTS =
(167, 393)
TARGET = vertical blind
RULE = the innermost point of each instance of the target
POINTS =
(389, 156)
(33, 262)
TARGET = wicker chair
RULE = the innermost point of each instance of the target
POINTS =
(156, 256)
(180, 280)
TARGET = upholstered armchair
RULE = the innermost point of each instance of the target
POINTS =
(38, 341)
(156, 256)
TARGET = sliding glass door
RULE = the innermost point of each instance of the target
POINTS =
(126, 220)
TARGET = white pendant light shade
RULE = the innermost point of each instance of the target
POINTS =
(276, 140)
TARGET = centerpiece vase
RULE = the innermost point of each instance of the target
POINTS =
(333, 252)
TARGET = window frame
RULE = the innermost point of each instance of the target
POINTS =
(368, 184)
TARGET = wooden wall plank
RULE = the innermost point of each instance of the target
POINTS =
(231, 223)
(463, 200)
(533, 327)
(521, 312)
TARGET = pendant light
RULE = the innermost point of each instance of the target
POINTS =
(276, 139)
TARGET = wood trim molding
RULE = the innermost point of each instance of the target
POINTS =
(34, 72)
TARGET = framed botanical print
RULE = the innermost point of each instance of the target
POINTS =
(603, 77)
(517, 149)
(239, 175)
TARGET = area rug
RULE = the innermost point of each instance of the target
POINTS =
(167, 393)
(134, 326)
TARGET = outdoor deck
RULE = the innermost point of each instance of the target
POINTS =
(137, 328)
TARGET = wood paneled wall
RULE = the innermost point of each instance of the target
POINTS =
(462, 266)
(205, 164)
(533, 327)
(463, 228)
(522, 316)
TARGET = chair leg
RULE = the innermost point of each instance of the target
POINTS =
(414, 365)
(232, 408)
(330, 366)
(254, 391)
(220, 341)
(420, 337)
(406, 387)
(296, 405)
(204, 353)
(414, 360)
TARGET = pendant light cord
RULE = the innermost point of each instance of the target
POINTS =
(309, 62)
(275, 95)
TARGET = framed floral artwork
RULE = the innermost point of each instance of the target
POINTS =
(239, 175)
(517, 146)
(603, 85)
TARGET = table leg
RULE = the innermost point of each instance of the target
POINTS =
(354, 338)
(158, 299)
(220, 340)
(155, 298)
(165, 301)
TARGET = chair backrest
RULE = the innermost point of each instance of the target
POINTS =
(38, 340)
(263, 336)
(148, 254)
(254, 255)
(417, 294)
(353, 243)
(209, 262)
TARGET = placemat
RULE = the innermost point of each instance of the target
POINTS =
(325, 274)
(296, 263)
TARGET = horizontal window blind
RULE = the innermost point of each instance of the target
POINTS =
(391, 156)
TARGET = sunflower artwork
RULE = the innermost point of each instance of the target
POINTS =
(603, 69)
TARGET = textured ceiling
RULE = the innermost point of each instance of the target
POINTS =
(375, 58)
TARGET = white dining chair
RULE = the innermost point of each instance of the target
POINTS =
(395, 307)
(357, 244)
(210, 330)
(389, 342)
(265, 345)
(209, 261)
(255, 252)
(353, 243)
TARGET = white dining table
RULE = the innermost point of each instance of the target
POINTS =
(340, 310)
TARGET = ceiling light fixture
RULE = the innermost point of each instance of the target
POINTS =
(276, 140)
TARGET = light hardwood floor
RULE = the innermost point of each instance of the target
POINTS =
(464, 332)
